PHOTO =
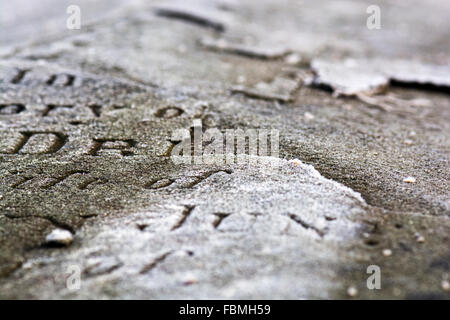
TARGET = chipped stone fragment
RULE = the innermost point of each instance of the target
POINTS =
(445, 284)
(59, 237)
(308, 116)
(419, 238)
(352, 291)
(369, 77)
(409, 180)
(348, 78)
(295, 162)
(414, 72)
(293, 58)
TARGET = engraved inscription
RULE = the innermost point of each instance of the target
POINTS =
(19, 76)
(183, 182)
(36, 143)
(96, 109)
(193, 181)
(67, 177)
(65, 80)
(52, 107)
(112, 146)
(159, 183)
(169, 112)
(76, 178)
(9, 109)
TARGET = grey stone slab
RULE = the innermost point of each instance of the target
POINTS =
(86, 132)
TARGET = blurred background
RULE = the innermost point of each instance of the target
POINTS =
(410, 28)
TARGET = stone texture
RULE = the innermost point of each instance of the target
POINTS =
(87, 150)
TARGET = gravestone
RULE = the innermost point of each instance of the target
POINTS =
(86, 124)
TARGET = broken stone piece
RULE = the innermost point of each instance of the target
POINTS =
(280, 89)
(352, 291)
(445, 284)
(59, 237)
(363, 76)
(255, 52)
(409, 180)
(348, 78)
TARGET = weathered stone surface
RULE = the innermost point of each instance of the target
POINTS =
(86, 123)
(353, 77)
